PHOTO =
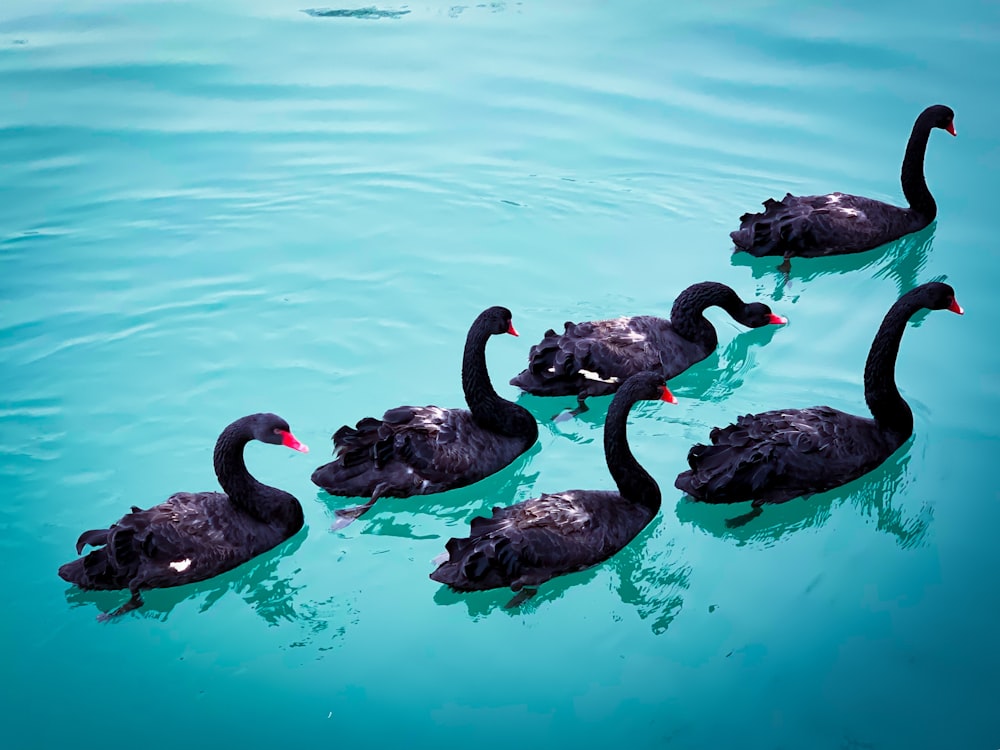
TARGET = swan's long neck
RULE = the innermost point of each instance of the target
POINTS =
(243, 490)
(912, 176)
(888, 408)
(688, 313)
(634, 482)
(489, 410)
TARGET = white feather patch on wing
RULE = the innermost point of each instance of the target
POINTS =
(181, 565)
(591, 375)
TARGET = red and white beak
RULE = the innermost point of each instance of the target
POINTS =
(955, 307)
(667, 396)
(777, 320)
(290, 441)
(951, 128)
(511, 330)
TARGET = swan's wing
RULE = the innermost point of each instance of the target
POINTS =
(175, 535)
(816, 225)
(774, 456)
(529, 542)
(438, 445)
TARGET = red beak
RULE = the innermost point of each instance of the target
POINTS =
(667, 396)
(777, 320)
(955, 307)
(289, 441)
(511, 330)
(951, 128)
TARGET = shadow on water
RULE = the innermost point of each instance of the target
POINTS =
(372, 13)
(721, 374)
(900, 261)
(646, 579)
(456, 505)
(871, 494)
(369, 14)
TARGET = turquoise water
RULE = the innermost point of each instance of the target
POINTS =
(209, 209)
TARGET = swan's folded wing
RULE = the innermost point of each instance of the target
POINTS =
(185, 525)
(762, 456)
(614, 350)
(443, 444)
(527, 542)
(814, 225)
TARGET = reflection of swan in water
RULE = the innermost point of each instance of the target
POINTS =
(647, 579)
(871, 494)
(272, 595)
(723, 373)
(369, 14)
(901, 261)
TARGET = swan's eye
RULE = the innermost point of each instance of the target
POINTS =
(277, 431)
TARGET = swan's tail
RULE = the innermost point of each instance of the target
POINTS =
(361, 452)
(778, 230)
(370, 442)
(112, 565)
(734, 468)
(486, 559)
(552, 370)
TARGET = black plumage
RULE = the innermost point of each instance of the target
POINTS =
(835, 224)
(778, 455)
(526, 544)
(594, 358)
(420, 450)
(194, 536)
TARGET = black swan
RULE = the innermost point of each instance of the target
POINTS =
(594, 358)
(420, 450)
(526, 544)
(194, 536)
(777, 455)
(835, 224)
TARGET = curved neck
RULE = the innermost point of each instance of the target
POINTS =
(912, 176)
(890, 411)
(687, 314)
(243, 490)
(634, 482)
(490, 411)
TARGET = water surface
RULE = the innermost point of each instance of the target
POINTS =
(213, 209)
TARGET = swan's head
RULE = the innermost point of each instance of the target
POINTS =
(648, 386)
(757, 314)
(497, 320)
(270, 428)
(939, 296)
(942, 117)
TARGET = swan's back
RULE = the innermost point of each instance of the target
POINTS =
(818, 225)
(189, 537)
(594, 358)
(778, 455)
(415, 450)
(528, 543)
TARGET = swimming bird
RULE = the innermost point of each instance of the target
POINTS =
(775, 456)
(835, 224)
(194, 536)
(524, 545)
(420, 450)
(594, 358)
